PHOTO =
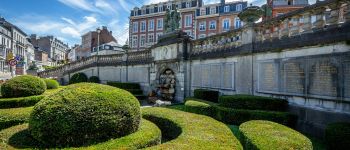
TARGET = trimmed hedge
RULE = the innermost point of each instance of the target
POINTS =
(135, 91)
(338, 136)
(253, 102)
(237, 116)
(51, 84)
(18, 137)
(191, 131)
(207, 95)
(84, 113)
(124, 85)
(94, 79)
(23, 86)
(78, 78)
(14, 116)
(20, 102)
(266, 135)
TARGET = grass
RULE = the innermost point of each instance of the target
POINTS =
(18, 137)
(14, 116)
(192, 131)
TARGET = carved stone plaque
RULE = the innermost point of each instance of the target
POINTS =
(294, 77)
(323, 78)
(227, 76)
(268, 80)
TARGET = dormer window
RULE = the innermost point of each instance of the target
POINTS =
(239, 7)
(213, 10)
(203, 12)
(160, 8)
(188, 4)
(169, 6)
(143, 11)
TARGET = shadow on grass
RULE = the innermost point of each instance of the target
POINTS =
(23, 139)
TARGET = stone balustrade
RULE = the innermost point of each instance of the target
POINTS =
(102, 60)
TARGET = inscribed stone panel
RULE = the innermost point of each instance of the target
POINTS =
(196, 75)
(205, 75)
(268, 79)
(323, 78)
(346, 79)
(215, 75)
(227, 76)
(294, 77)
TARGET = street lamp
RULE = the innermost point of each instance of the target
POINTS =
(98, 49)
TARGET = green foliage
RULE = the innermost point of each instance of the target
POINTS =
(338, 136)
(266, 135)
(85, 113)
(23, 86)
(78, 78)
(202, 107)
(207, 95)
(124, 85)
(20, 102)
(49, 67)
(237, 116)
(192, 131)
(14, 116)
(253, 102)
(51, 83)
(94, 79)
(18, 137)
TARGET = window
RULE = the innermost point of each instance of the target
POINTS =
(202, 36)
(212, 25)
(213, 10)
(143, 26)
(169, 6)
(227, 9)
(203, 12)
(239, 7)
(237, 23)
(142, 40)
(160, 8)
(143, 11)
(151, 10)
(150, 25)
(188, 20)
(160, 24)
(135, 27)
(151, 38)
(188, 4)
(226, 24)
(202, 26)
(134, 41)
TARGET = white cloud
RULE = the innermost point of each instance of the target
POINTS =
(70, 21)
(78, 4)
(71, 31)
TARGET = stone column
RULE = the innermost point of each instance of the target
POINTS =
(307, 26)
(295, 29)
(285, 31)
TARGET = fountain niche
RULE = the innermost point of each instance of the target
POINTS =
(167, 84)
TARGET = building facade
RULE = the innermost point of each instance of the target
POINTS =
(280, 7)
(108, 49)
(92, 39)
(5, 46)
(55, 48)
(197, 20)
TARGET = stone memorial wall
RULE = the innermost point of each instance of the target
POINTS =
(268, 76)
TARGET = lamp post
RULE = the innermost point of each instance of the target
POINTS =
(98, 49)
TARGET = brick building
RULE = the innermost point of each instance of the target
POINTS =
(197, 20)
(90, 40)
(280, 7)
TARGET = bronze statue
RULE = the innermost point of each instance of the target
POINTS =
(172, 20)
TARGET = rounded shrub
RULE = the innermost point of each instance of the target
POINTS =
(51, 84)
(78, 78)
(23, 86)
(94, 79)
(266, 135)
(84, 113)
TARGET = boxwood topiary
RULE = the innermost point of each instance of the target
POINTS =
(94, 79)
(51, 84)
(208, 95)
(84, 113)
(266, 135)
(78, 78)
(23, 86)
(338, 135)
(253, 102)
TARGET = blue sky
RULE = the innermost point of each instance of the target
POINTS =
(69, 19)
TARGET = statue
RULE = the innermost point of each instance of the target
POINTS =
(172, 20)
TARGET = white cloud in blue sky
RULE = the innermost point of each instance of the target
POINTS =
(69, 19)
